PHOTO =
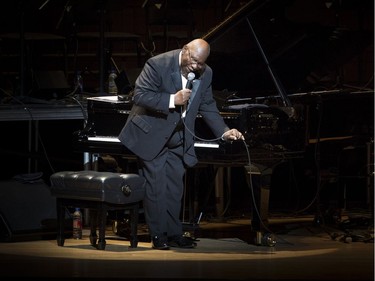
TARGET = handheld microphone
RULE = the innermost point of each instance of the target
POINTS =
(189, 85)
(190, 78)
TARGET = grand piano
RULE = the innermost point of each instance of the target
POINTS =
(277, 73)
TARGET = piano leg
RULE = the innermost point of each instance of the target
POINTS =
(259, 179)
(219, 188)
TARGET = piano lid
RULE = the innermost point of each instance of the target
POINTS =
(271, 47)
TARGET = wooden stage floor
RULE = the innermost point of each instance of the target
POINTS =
(225, 251)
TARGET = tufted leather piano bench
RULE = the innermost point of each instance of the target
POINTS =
(99, 192)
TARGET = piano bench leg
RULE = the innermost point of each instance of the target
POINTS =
(93, 226)
(98, 219)
(102, 217)
(60, 241)
(134, 225)
(60, 206)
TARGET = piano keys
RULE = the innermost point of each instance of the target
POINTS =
(106, 117)
(113, 139)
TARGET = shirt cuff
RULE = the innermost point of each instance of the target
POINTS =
(171, 101)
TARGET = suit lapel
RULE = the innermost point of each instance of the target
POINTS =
(176, 79)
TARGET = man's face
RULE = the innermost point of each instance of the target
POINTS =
(192, 62)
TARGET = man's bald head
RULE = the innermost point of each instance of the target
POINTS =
(200, 48)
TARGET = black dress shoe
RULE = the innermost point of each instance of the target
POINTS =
(180, 241)
(159, 243)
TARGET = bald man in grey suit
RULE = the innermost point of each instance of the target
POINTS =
(159, 131)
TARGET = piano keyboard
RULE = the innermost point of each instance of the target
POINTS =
(103, 139)
(206, 144)
(115, 139)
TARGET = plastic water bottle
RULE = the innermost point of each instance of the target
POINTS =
(77, 224)
(112, 88)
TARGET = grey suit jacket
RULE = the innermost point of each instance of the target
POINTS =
(151, 121)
